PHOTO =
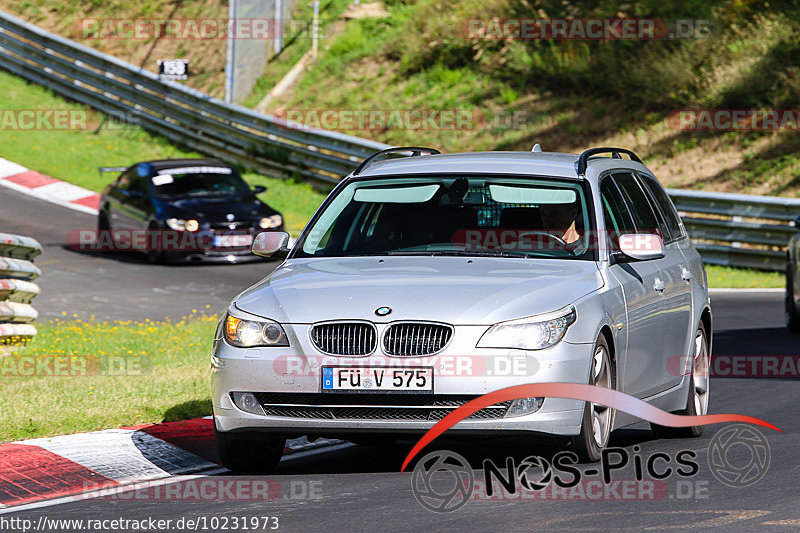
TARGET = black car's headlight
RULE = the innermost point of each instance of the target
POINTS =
(183, 225)
(249, 333)
(274, 221)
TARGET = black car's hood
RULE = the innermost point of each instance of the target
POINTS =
(210, 208)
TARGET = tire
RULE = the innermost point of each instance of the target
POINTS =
(598, 420)
(103, 225)
(792, 313)
(698, 398)
(156, 257)
(249, 451)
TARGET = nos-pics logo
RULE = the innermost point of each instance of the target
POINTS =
(443, 481)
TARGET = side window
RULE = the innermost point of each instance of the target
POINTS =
(643, 214)
(667, 209)
(124, 181)
(617, 218)
(137, 183)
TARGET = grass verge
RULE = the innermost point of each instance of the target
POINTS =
(85, 376)
(722, 277)
(75, 155)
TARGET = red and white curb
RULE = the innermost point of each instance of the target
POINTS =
(71, 465)
(50, 189)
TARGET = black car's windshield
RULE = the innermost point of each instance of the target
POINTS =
(209, 182)
(455, 216)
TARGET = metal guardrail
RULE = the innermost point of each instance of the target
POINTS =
(739, 230)
(17, 273)
(276, 147)
(125, 92)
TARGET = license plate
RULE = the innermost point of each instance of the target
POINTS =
(232, 241)
(377, 379)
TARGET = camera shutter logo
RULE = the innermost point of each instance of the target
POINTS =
(738, 439)
(442, 495)
(527, 469)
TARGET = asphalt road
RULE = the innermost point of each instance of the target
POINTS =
(115, 285)
(360, 488)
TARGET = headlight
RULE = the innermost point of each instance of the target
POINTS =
(275, 221)
(533, 333)
(249, 333)
(183, 225)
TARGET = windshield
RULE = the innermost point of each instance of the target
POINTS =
(208, 183)
(447, 215)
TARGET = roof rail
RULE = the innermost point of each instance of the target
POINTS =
(583, 159)
(415, 151)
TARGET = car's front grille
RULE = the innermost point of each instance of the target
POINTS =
(344, 338)
(416, 338)
(240, 226)
(371, 406)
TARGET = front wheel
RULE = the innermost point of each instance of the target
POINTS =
(792, 313)
(697, 402)
(598, 419)
(154, 252)
(249, 451)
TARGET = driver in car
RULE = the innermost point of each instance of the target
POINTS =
(560, 219)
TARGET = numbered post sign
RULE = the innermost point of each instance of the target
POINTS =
(173, 69)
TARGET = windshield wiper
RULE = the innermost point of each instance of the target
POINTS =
(459, 253)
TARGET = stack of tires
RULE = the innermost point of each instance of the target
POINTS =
(17, 289)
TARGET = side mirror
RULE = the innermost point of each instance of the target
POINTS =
(641, 247)
(258, 189)
(271, 244)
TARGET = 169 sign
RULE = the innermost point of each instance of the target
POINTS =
(173, 69)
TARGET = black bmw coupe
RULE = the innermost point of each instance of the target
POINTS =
(183, 210)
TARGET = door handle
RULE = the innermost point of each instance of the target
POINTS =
(659, 285)
(686, 275)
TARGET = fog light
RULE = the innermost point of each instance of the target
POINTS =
(524, 406)
(246, 401)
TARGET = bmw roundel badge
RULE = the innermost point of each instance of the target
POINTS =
(383, 311)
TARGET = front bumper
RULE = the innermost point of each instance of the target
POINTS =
(460, 369)
(209, 253)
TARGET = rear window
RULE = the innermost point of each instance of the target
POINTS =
(667, 209)
(643, 215)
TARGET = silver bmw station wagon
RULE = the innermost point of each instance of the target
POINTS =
(427, 280)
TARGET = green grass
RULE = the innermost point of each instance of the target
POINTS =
(573, 93)
(74, 156)
(722, 277)
(120, 374)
